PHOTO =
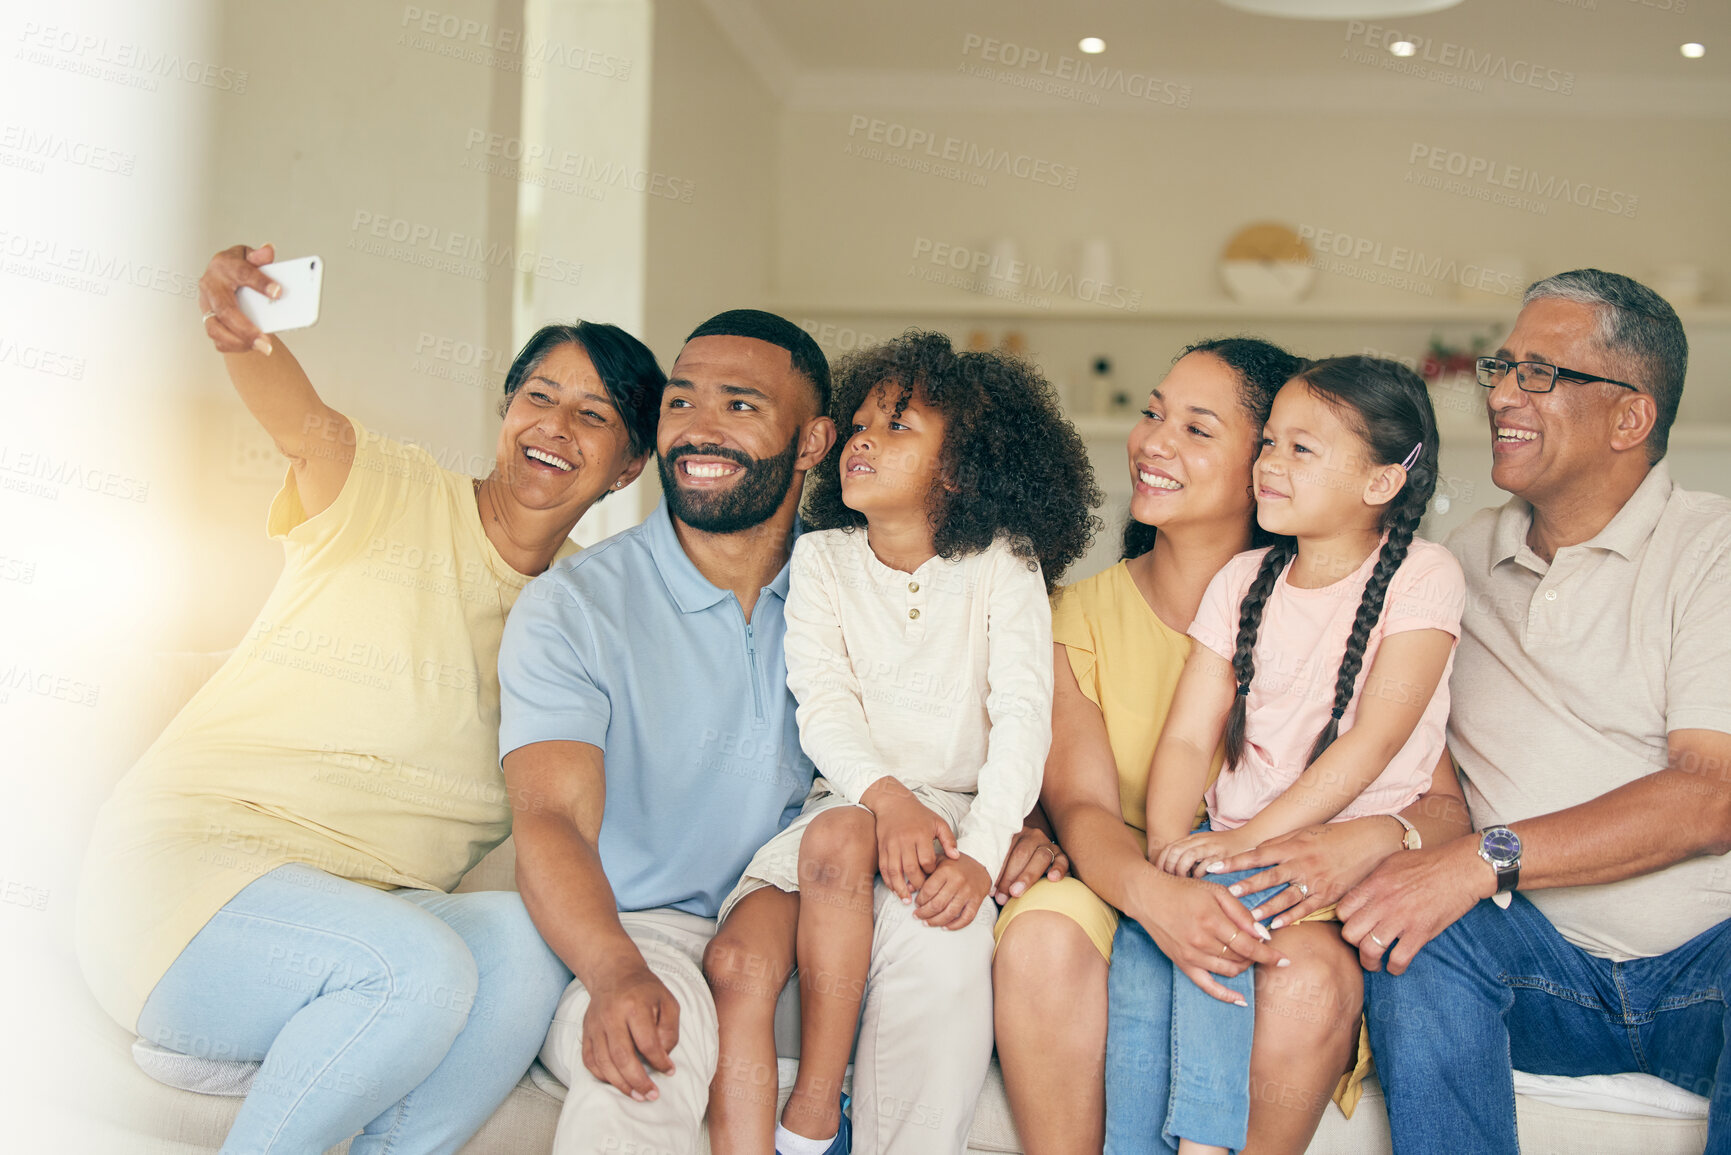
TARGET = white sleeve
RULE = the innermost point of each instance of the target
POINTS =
(831, 715)
(1019, 706)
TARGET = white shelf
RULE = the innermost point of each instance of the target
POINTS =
(1425, 311)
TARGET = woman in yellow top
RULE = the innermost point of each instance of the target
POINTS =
(1120, 644)
(270, 881)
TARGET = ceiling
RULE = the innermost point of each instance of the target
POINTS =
(1612, 50)
(1617, 36)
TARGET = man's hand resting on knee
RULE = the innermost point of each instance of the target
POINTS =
(631, 1015)
(1412, 897)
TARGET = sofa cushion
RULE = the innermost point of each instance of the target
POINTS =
(1627, 1094)
(191, 1073)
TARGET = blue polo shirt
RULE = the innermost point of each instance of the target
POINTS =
(628, 647)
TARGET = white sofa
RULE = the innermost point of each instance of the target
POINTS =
(112, 1106)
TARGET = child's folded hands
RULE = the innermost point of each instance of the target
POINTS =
(907, 830)
(953, 893)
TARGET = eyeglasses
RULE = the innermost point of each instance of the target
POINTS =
(1536, 376)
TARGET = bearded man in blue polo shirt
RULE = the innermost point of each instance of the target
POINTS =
(646, 714)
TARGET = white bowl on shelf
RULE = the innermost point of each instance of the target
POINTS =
(1267, 282)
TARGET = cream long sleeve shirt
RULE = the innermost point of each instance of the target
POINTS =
(939, 678)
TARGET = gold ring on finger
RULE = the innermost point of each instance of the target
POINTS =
(1378, 941)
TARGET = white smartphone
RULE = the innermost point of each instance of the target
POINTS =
(297, 308)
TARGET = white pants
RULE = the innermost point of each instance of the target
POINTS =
(924, 1044)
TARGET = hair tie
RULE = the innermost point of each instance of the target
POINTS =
(1243, 689)
(1413, 456)
(1337, 712)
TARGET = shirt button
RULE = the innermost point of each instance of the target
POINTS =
(913, 587)
(1550, 595)
(914, 614)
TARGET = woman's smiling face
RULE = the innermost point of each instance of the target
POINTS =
(1190, 455)
(563, 443)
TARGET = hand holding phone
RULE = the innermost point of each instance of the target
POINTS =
(296, 306)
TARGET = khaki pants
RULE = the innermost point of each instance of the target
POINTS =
(596, 1118)
(925, 1041)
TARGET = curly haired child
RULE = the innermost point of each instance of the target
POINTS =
(919, 648)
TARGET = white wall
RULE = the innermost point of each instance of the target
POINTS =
(714, 133)
(357, 126)
(711, 225)
(1169, 187)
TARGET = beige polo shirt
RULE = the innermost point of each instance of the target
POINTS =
(1570, 675)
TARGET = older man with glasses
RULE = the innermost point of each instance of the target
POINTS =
(1582, 930)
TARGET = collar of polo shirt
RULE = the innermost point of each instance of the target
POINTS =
(1622, 535)
(690, 590)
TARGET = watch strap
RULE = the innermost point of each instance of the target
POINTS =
(1508, 877)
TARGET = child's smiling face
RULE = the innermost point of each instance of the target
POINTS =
(890, 461)
(1315, 474)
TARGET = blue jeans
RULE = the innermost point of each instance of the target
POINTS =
(405, 1015)
(1501, 990)
(1177, 1058)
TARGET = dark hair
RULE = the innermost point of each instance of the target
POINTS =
(625, 365)
(1262, 368)
(808, 360)
(1011, 462)
(1637, 327)
(1388, 406)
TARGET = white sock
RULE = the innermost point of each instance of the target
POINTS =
(787, 1143)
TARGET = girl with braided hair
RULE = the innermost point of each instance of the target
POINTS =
(1324, 660)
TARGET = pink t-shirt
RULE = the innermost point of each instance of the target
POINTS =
(1298, 652)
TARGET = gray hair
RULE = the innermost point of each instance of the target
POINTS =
(1637, 327)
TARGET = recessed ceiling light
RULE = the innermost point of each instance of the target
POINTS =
(1340, 9)
(1403, 48)
(1092, 44)
(1693, 51)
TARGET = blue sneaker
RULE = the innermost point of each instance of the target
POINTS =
(842, 1144)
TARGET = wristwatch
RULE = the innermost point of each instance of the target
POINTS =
(1410, 839)
(1501, 847)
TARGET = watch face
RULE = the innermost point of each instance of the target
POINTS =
(1501, 844)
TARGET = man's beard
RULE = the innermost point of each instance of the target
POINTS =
(751, 500)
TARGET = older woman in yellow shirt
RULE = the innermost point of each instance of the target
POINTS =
(1120, 643)
(269, 881)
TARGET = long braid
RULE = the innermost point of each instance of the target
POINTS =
(1400, 532)
(1243, 656)
(1391, 411)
